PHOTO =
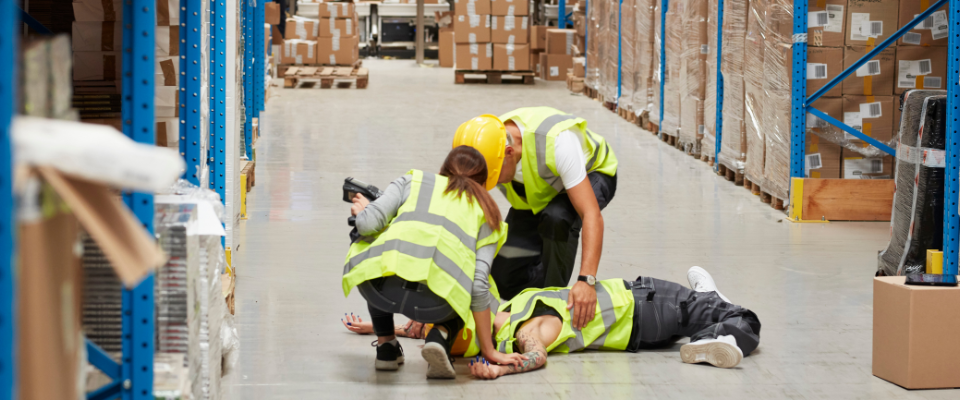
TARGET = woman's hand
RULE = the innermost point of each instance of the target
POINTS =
(505, 359)
(481, 368)
(355, 324)
(359, 203)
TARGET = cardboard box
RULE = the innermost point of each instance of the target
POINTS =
(168, 41)
(296, 51)
(337, 10)
(856, 166)
(102, 10)
(97, 65)
(166, 102)
(166, 71)
(472, 29)
(448, 48)
(822, 158)
(920, 68)
(825, 23)
(824, 64)
(301, 28)
(471, 7)
(338, 50)
(538, 37)
(509, 7)
(342, 27)
(910, 324)
(511, 30)
(98, 36)
(931, 32)
(275, 36)
(553, 67)
(861, 113)
(873, 79)
(870, 22)
(271, 13)
(535, 60)
(580, 67)
(475, 56)
(560, 41)
(511, 57)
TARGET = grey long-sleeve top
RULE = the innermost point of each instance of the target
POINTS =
(379, 213)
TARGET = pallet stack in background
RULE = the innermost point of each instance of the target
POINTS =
(757, 71)
(491, 35)
(97, 40)
(167, 80)
(471, 25)
(329, 38)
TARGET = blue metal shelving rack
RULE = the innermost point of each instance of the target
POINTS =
(664, 7)
(247, 28)
(8, 57)
(218, 97)
(718, 134)
(191, 20)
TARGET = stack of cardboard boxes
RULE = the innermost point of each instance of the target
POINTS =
(491, 35)
(97, 40)
(558, 54)
(167, 79)
(330, 39)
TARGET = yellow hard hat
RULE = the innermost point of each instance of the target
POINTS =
(487, 134)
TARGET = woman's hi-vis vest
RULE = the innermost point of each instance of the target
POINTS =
(540, 178)
(609, 330)
(432, 240)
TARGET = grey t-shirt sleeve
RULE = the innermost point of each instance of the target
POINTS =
(482, 299)
(380, 212)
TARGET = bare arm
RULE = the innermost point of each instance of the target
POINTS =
(530, 340)
(583, 297)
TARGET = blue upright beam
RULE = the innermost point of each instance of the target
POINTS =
(218, 97)
(191, 25)
(247, 29)
(951, 221)
(562, 14)
(586, 34)
(260, 58)
(619, 48)
(664, 5)
(718, 134)
(8, 286)
(798, 114)
(139, 28)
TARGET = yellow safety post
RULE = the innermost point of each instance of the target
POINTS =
(796, 203)
(934, 261)
(243, 196)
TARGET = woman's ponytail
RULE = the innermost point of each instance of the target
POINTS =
(466, 171)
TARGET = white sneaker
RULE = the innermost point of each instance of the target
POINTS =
(721, 352)
(701, 281)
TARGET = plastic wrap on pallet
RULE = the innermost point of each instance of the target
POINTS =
(708, 143)
(693, 70)
(609, 49)
(754, 95)
(733, 149)
(656, 72)
(629, 68)
(643, 54)
(778, 70)
(592, 75)
(674, 61)
(916, 223)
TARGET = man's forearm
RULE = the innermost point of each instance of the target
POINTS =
(533, 349)
(592, 243)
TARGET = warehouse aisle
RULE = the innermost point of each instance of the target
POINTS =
(810, 284)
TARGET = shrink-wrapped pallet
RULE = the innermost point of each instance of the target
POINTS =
(609, 49)
(629, 68)
(692, 84)
(733, 149)
(656, 73)
(643, 54)
(708, 142)
(592, 74)
(777, 69)
(754, 95)
(672, 86)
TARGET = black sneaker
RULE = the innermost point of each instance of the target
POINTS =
(389, 356)
(437, 353)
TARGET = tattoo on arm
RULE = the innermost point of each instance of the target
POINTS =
(535, 352)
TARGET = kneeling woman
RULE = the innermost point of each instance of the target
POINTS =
(425, 252)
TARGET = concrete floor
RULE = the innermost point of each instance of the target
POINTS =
(810, 284)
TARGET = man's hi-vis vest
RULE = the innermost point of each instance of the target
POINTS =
(542, 183)
(609, 330)
(432, 240)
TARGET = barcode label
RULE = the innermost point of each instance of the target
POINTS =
(836, 18)
(876, 166)
(871, 68)
(911, 38)
(926, 24)
(870, 110)
(816, 71)
(924, 67)
(817, 19)
(906, 84)
(876, 29)
(704, 49)
(813, 161)
(940, 32)
(931, 82)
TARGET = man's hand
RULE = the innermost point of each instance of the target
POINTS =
(359, 203)
(583, 301)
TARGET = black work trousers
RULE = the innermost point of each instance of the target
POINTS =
(665, 311)
(541, 249)
(394, 295)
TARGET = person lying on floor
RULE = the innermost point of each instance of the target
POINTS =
(631, 316)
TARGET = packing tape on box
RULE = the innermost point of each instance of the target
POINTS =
(332, 9)
(106, 36)
(301, 29)
(474, 48)
(493, 25)
(333, 59)
(933, 158)
(174, 40)
(169, 73)
(510, 49)
(349, 26)
(163, 12)
(489, 50)
(472, 7)
(474, 63)
(868, 85)
(569, 42)
(511, 63)
(511, 39)
(474, 20)
(523, 23)
(510, 11)
(472, 37)
(335, 43)
(509, 23)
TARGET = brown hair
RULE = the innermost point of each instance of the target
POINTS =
(467, 172)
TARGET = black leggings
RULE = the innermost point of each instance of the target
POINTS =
(394, 295)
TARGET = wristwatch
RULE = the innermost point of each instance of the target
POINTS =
(589, 279)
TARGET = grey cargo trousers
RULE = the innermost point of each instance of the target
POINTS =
(666, 311)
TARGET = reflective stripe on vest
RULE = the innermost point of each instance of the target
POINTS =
(416, 251)
(576, 343)
(541, 143)
(422, 213)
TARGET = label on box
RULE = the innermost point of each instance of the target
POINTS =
(509, 23)
(817, 19)
(853, 120)
(931, 82)
(554, 71)
(472, 37)
(814, 121)
(813, 161)
(871, 110)
(912, 38)
(704, 49)
(871, 68)
(472, 7)
(836, 19)
(523, 23)
(924, 25)
(474, 49)
(854, 168)
(910, 70)
(511, 62)
(510, 11)
(816, 71)
(940, 28)
(871, 29)
(474, 63)
(856, 22)
(493, 23)
(474, 20)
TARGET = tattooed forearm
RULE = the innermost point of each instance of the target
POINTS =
(535, 352)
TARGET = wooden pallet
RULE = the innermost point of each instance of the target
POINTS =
(670, 140)
(752, 187)
(493, 77)
(730, 174)
(628, 114)
(707, 158)
(342, 77)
